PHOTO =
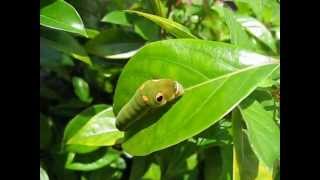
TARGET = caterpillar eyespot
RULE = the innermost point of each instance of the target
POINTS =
(150, 95)
(159, 97)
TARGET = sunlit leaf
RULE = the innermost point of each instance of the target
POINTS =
(62, 16)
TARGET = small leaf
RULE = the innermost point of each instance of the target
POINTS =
(81, 89)
(81, 119)
(170, 26)
(216, 135)
(109, 157)
(66, 43)
(99, 130)
(258, 30)
(117, 17)
(154, 172)
(239, 36)
(92, 33)
(245, 163)
(43, 174)
(114, 44)
(263, 133)
(62, 16)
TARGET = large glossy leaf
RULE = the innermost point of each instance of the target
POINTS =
(186, 60)
(263, 133)
(114, 44)
(64, 42)
(99, 130)
(62, 16)
(190, 62)
(258, 30)
(187, 119)
(170, 26)
(245, 163)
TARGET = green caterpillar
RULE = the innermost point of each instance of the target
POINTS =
(151, 94)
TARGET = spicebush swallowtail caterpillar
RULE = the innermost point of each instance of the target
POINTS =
(150, 95)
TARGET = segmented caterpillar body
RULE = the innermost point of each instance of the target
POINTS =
(151, 94)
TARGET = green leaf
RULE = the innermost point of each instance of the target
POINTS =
(92, 33)
(114, 44)
(66, 43)
(105, 173)
(187, 60)
(62, 16)
(146, 29)
(171, 27)
(239, 36)
(140, 166)
(81, 89)
(158, 8)
(142, 26)
(216, 135)
(263, 133)
(267, 10)
(201, 90)
(109, 157)
(81, 119)
(117, 17)
(43, 174)
(258, 30)
(177, 160)
(245, 163)
(98, 130)
(45, 132)
(153, 172)
(190, 62)
(218, 163)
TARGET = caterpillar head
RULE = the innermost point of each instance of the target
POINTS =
(158, 92)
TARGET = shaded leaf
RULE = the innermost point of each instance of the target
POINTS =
(263, 133)
(239, 36)
(245, 163)
(81, 89)
(114, 44)
(62, 16)
(66, 43)
(171, 27)
(109, 156)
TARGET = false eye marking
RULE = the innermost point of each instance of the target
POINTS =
(145, 98)
(159, 97)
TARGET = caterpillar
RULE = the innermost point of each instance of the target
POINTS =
(150, 95)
